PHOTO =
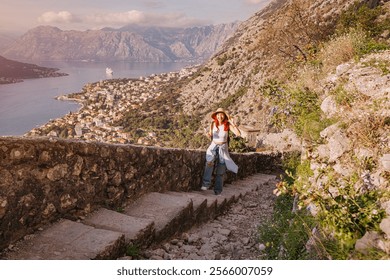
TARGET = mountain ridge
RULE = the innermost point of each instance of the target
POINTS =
(129, 43)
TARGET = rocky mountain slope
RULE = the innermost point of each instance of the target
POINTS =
(6, 40)
(262, 48)
(130, 43)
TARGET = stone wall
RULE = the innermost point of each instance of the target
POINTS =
(42, 179)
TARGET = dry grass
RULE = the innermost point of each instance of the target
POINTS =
(338, 50)
(341, 49)
(309, 77)
(368, 130)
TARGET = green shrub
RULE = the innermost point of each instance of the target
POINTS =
(343, 97)
(360, 16)
(296, 107)
(349, 214)
(221, 60)
(291, 161)
(371, 46)
(344, 212)
(287, 233)
(231, 99)
(382, 65)
(238, 144)
(132, 251)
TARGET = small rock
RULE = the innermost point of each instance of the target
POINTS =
(174, 241)
(367, 242)
(159, 252)
(385, 226)
(262, 247)
(193, 239)
(225, 232)
(385, 161)
(166, 247)
(245, 240)
(185, 236)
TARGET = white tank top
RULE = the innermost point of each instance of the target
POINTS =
(219, 135)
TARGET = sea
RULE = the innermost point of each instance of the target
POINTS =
(32, 103)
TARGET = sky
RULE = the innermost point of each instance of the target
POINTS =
(18, 16)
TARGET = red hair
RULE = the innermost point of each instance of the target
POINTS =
(225, 123)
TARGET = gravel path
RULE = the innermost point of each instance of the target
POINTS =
(232, 236)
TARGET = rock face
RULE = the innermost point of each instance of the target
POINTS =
(363, 132)
(128, 44)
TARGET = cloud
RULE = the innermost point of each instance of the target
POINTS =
(142, 18)
(153, 4)
(255, 2)
(57, 17)
(117, 18)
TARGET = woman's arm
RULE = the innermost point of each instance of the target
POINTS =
(209, 132)
(233, 127)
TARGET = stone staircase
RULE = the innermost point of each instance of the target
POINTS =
(155, 217)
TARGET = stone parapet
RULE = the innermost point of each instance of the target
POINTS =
(45, 179)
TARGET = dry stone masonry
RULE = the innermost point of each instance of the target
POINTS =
(44, 179)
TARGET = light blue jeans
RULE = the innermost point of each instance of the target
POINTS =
(220, 170)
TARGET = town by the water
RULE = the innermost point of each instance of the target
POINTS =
(106, 102)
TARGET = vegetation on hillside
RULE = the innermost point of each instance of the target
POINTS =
(345, 206)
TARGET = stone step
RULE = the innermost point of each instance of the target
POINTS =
(68, 240)
(151, 219)
(171, 213)
(138, 231)
(200, 203)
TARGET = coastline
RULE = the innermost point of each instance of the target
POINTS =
(12, 80)
(105, 102)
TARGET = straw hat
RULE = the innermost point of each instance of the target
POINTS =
(220, 110)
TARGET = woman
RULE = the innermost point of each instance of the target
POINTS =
(217, 154)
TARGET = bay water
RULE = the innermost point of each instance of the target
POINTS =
(32, 103)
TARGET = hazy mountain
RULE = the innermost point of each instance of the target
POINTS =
(130, 43)
(6, 40)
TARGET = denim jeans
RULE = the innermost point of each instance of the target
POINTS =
(220, 170)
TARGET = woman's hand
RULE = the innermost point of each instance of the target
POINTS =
(207, 133)
(232, 122)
